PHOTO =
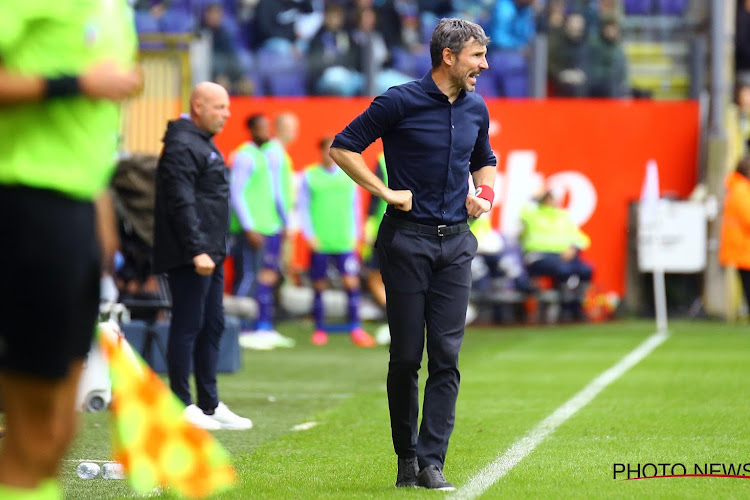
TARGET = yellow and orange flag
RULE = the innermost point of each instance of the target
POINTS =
(150, 437)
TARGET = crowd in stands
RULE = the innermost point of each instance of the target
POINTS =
(361, 47)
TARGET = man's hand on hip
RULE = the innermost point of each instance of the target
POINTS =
(401, 199)
(204, 265)
(476, 206)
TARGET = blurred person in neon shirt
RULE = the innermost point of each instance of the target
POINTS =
(734, 245)
(552, 244)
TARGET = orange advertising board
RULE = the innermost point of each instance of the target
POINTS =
(592, 153)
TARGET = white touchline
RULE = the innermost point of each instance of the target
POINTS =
(521, 448)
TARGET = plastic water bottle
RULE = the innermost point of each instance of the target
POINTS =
(113, 470)
(87, 470)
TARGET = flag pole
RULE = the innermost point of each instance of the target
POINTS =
(650, 217)
(660, 291)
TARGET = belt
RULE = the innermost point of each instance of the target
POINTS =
(441, 230)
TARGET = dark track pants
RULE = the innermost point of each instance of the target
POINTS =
(194, 333)
(427, 282)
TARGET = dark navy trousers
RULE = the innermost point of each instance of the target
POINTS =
(194, 333)
(427, 283)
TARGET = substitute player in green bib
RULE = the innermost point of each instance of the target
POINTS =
(63, 64)
(260, 196)
(329, 207)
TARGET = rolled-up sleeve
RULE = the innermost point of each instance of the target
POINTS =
(384, 112)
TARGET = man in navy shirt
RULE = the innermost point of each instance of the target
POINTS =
(435, 133)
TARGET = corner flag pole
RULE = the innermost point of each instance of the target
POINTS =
(649, 217)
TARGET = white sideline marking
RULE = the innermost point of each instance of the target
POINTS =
(524, 446)
(305, 426)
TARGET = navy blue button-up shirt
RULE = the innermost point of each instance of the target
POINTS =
(430, 146)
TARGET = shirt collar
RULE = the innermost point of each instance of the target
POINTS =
(197, 129)
(429, 86)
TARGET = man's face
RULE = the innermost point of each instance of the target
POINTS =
(287, 128)
(611, 33)
(743, 98)
(212, 110)
(468, 65)
(261, 131)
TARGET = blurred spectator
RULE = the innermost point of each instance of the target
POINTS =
(247, 164)
(333, 57)
(375, 55)
(258, 224)
(388, 22)
(133, 193)
(498, 258)
(742, 37)
(608, 74)
(569, 58)
(551, 244)
(476, 11)
(589, 9)
(552, 17)
(163, 16)
(610, 9)
(410, 33)
(329, 207)
(742, 100)
(275, 21)
(511, 30)
(148, 15)
(734, 249)
(227, 69)
(287, 129)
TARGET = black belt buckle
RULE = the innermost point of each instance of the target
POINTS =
(440, 230)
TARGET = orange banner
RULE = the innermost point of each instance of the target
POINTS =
(593, 153)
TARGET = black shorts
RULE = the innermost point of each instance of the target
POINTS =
(49, 281)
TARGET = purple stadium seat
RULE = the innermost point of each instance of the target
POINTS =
(144, 23)
(177, 21)
(486, 86)
(279, 74)
(403, 61)
(638, 7)
(291, 82)
(422, 62)
(510, 73)
(672, 7)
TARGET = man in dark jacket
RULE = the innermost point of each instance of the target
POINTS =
(190, 231)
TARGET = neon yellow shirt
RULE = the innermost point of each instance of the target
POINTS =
(550, 229)
(66, 144)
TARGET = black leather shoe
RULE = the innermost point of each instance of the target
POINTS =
(407, 473)
(432, 478)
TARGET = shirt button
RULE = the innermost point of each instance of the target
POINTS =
(453, 126)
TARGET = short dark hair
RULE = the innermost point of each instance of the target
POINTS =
(253, 120)
(453, 33)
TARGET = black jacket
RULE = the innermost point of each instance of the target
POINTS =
(192, 198)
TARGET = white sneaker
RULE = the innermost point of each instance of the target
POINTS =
(276, 339)
(255, 341)
(195, 416)
(227, 420)
(471, 314)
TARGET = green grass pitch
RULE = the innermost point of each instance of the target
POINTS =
(687, 402)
